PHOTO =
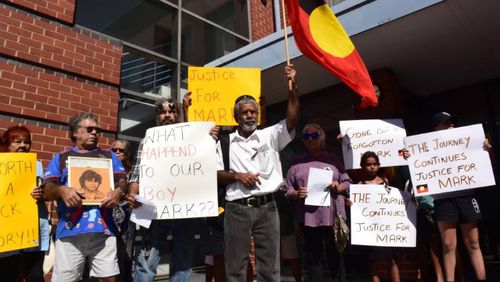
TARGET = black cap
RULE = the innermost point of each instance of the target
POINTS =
(442, 117)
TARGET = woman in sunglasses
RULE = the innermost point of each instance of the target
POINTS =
(121, 216)
(316, 221)
(122, 149)
(372, 174)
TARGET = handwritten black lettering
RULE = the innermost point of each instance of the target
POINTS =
(169, 134)
(360, 197)
(439, 143)
(365, 145)
(439, 160)
(211, 75)
(418, 148)
(454, 181)
(8, 210)
(204, 97)
(433, 173)
(16, 167)
(382, 211)
(391, 238)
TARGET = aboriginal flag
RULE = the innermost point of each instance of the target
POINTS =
(422, 188)
(320, 36)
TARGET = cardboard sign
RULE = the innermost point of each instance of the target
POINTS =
(449, 160)
(18, 210)
(93, 177)
(382, 216)
(214, 91)
(384, 137)
(178, 170)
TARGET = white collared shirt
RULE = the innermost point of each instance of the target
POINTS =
(259, 153)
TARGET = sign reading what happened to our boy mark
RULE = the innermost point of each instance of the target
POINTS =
(18, 210)
(449, 161)
(178, 170)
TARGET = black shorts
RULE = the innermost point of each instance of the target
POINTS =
(460, 210)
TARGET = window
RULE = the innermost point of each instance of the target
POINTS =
(145, 73)
(146, 23)
(203, 42)
(229, 14)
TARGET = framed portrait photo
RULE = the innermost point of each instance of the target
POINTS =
(92, 177)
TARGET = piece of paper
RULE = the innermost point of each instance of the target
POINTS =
(143, 214)
(317, 182)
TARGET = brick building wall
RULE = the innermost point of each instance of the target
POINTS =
(262, 19)
(51, 70)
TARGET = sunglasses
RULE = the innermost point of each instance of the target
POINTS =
(314, 136)
(91, 129)
(246, 97)
(118, 150)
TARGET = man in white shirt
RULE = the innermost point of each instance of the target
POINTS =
(254, 175)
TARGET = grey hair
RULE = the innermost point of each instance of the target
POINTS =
(244, 100)
(126, 144)
(322, 136)
(75, 123)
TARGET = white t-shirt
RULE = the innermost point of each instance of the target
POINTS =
(259, 153)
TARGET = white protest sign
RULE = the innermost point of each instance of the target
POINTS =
(384, 137)
(449, 160)
(382, 217)
(317, 180)
(178, 170)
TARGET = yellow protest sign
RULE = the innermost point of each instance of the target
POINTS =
(214, 90)
(18, 210)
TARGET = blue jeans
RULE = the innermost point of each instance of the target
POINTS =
(182, 249)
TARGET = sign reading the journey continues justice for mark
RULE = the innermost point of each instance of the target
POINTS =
(214, 90)
(381, 216)
(384, 137)
(449, 160)
(18, 210)
(178, 170)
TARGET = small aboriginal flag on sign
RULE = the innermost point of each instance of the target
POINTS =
(422, 188)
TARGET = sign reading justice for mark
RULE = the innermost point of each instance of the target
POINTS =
(214, 90)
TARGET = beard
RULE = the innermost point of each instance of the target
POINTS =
(248, 125)
(166, 122)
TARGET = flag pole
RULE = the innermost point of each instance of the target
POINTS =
(287, 53)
